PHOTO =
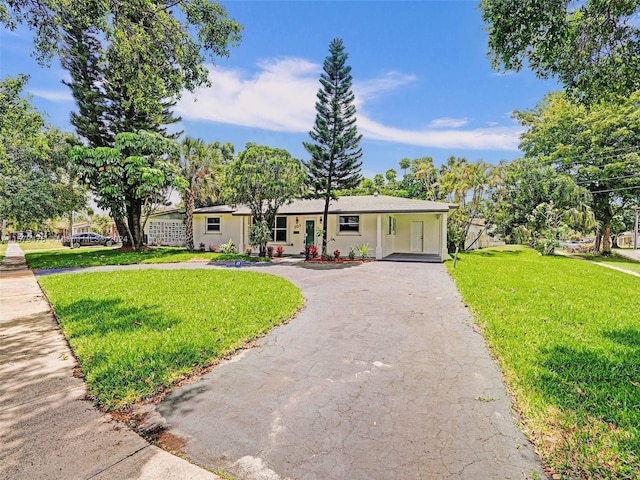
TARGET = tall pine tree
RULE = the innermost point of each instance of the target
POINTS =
(335, 153)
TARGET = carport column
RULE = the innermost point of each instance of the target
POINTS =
(444, 253)
(379, 237)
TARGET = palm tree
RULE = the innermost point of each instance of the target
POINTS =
(199, 166)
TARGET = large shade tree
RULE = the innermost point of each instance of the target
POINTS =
(128, 62)
(596, 146)
(35, 184)
(335, 153)
(264, 179)
(592, 47)
(132, 178)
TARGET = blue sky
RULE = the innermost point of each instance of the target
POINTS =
(422, 79)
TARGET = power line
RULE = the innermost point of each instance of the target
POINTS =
(614, 189)
(586, 182)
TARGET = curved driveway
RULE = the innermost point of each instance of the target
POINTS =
(380, 376)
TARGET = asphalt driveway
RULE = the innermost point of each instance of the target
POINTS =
(381, 376)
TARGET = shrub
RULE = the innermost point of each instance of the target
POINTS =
(313, 251)
(329, 258)
(248, 250)
(228, 247)
(269, 251)
(279, 250)
(336, 253)
(352, 254)
(364, 250)
(213, 248)
(202, 246)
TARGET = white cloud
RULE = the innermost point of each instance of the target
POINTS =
(53, 95)
(281, 96)
(447, 122)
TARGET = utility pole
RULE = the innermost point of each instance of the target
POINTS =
(635, 232)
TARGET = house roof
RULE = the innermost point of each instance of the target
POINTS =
(346, 205)
(216, 209)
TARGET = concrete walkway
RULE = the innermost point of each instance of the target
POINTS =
(629, 253)
(47, 428)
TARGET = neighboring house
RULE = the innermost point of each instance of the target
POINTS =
(387, 224)
(626, 240)
(166, 228)
(480, 237)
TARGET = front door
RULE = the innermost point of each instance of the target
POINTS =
(416, 236)
(310, 233)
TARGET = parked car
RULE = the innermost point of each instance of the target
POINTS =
(87, 239)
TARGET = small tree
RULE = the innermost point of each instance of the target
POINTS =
(131, 179)
(200, 166)
(335, 154)
(264, 179)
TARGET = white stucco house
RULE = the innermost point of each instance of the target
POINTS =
(389, 225)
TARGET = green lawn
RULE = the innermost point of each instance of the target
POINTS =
(3, 249)
(136, 333)
(37, 245)
(94, 256)
(567, 336)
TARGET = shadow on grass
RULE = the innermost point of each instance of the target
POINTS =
(91, 317)
(596, 385)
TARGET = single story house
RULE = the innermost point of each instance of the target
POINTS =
(389, 225)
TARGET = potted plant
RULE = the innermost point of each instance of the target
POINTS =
(279, 250)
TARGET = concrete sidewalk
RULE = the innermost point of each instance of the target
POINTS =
(629, 253)
(48, 429)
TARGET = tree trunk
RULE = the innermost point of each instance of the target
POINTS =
(325, 217)
(188, 223)
(123, 231)
(596, 248)
(606, 241)
(134, 217)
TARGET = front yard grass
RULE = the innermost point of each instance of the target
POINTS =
(567, 336)
(36, 245)
(3, 250)
(94, 256)
(137, 333)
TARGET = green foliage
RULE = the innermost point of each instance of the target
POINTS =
(363, 250)
(593, 48)
(200, 165)
(264, 179)
(134, 342)
(228, 247)
(260, 235)
(128, 61)
(569, 347)
(596, 146)
(35, 184)
(131, 178)
(335, 153)
(534, 204)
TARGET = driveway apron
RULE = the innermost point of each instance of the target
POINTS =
(382, 375)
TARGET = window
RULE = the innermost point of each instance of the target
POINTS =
(213, 224)
(280, 230)
(349, 223)
(392, 226)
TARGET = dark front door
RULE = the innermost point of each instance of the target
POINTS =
(310, 233)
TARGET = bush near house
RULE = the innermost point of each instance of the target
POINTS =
(566, 335)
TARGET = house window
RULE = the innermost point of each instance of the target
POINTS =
(392, 226)
(349, 223)
(213, 224)
(280, 230)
